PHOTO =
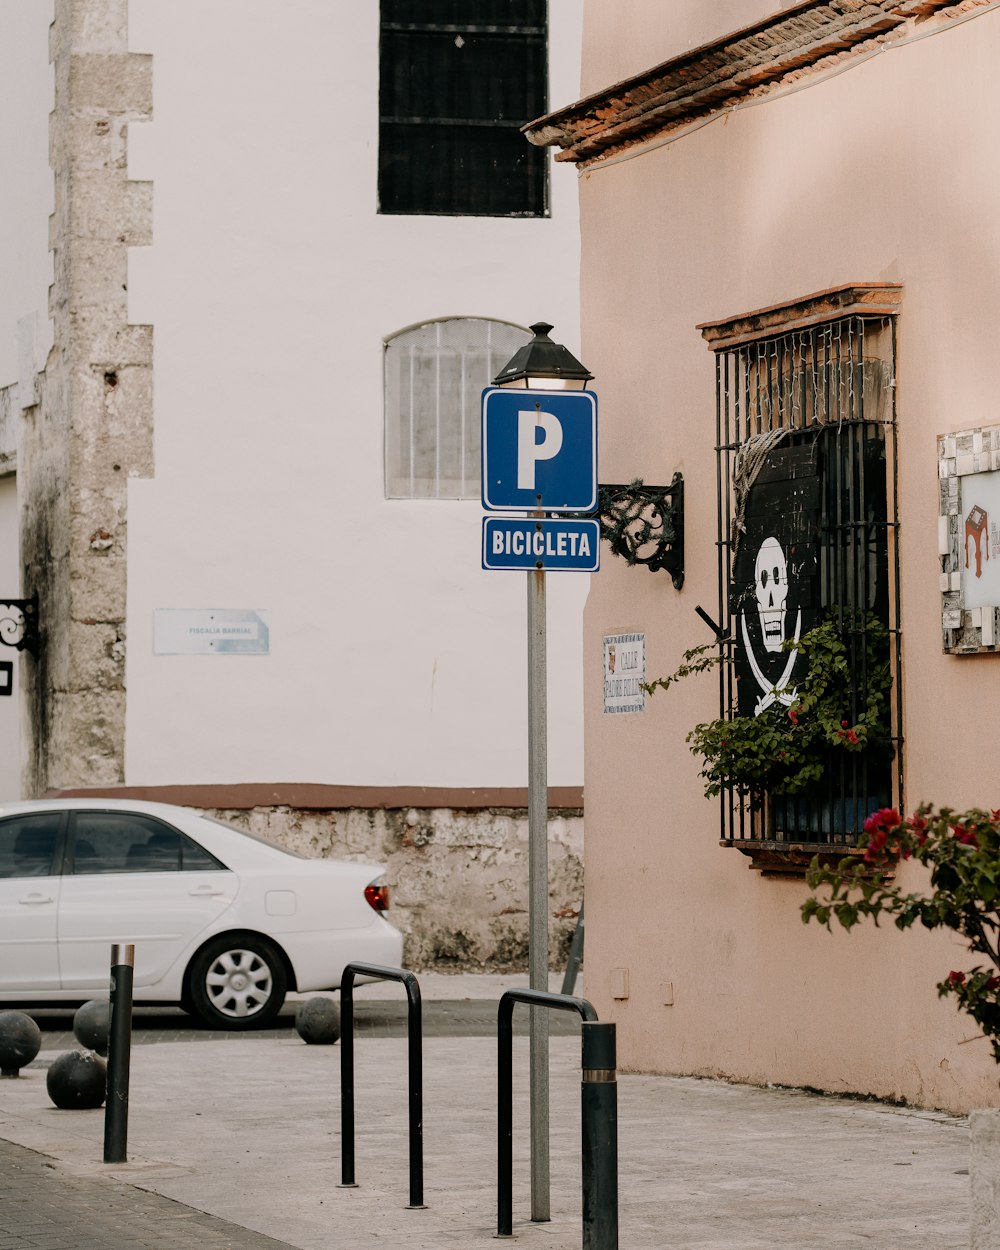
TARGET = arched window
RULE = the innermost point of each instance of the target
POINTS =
(434, 376)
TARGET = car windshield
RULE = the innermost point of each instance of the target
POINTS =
(255, 837)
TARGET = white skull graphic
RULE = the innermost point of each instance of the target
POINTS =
(771, 588)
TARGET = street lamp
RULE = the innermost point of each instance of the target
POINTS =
(540, 365)
(543, 365)
(642, 524)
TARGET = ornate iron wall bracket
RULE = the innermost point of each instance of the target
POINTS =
(645, 524)
(19, 624)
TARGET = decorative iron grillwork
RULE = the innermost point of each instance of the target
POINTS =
(812, 413)
(645, 524)
(19, 624)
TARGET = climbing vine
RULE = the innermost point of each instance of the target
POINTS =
(786, 749)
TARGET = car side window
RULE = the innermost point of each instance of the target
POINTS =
(195, 858)
(28, 843)
(115, 842)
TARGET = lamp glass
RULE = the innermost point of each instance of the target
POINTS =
(556, 384)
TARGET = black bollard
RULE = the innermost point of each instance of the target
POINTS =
(77, 1081)
(119, 1054)
(20, 1042)
(599, 1105)
(91, 1024)
(317, 1021)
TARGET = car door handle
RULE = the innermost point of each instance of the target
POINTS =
(206, 891)
(35, 900)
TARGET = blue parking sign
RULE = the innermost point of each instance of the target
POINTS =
(539, 450)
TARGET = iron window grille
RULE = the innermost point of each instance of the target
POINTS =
(434, 376)
(458, 79)
(823, 398)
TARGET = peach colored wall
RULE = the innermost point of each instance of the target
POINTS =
(884, 172)
(628, 36)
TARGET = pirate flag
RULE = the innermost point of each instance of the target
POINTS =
(774, 588)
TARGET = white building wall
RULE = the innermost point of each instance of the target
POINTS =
(26, 96)
(271, 285)
(26, 91)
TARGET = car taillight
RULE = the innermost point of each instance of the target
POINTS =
(377, 894)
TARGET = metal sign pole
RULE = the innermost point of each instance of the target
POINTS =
(554, 474)
(538, 894)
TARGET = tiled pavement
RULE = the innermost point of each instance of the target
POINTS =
(234, 1142)
(43, 1208)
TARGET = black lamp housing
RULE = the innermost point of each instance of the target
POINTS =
(544, 365)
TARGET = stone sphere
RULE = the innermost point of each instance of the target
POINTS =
(91, 1025)
(77, 1081)
(317, 1021)
(20, 1041)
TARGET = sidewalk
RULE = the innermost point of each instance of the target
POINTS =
(246, 1130)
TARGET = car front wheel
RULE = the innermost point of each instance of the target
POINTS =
(237, 982)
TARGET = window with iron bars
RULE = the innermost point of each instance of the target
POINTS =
(434, 377)
(806, 446)
(458, 79)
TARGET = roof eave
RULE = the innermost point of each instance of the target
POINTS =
(807, 36)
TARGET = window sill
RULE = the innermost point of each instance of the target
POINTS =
(791, 859)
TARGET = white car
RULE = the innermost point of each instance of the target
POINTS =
(224, 923)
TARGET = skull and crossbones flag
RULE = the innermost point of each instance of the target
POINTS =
(774, 588)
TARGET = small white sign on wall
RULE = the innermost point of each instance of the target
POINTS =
(210, 631)
(969, 540)
(624, 673)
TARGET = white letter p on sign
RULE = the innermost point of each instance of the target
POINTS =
(528, 451)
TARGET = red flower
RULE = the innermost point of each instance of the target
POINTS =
(879, 825)
(877, 844)
(843, 724)
(852, 737)
(956, 978)
(968, 837)
(884, 818)
(793, 715)
(993, 983)
(917, 825)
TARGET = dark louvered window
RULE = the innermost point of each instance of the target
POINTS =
(458, 80)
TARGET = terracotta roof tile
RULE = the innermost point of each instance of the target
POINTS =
(720, 74)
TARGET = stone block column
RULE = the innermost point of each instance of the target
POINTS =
(91, 429)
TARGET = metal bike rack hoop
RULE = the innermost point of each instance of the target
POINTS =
(414, 1037)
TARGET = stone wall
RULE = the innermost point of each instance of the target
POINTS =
(87, 426)
(10, 412)
(458, 879)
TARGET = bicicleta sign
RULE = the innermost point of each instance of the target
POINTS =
(540, 456)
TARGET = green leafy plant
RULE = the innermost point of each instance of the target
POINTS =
(787, 749)
(962, 851)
